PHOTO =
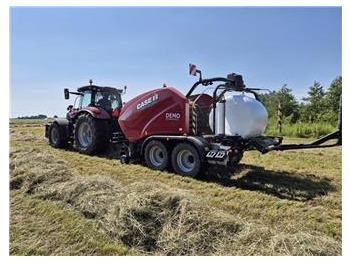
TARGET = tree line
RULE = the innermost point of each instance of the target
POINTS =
(40, 116)
(319, 106)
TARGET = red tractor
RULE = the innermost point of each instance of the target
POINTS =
(166, 128)
(91, 123)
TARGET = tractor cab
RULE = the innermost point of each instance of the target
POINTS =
(98, 100)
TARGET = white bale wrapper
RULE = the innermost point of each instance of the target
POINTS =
(244, 116)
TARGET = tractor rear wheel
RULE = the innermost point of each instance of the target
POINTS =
(56, 137)
(90, 134)
(156, 155)
(185, 160)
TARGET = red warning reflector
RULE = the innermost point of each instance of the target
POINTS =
(115, 112)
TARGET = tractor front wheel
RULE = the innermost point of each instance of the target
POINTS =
(56, 136)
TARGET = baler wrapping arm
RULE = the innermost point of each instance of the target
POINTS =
(316, 144)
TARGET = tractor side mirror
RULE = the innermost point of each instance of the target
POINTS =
(122, 91)
(66, 93)
(193, 71)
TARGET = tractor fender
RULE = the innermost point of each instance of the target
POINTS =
(95, 112)
(64, 126)
(201, 144)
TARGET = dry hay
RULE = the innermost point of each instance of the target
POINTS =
(154, 218)
(22, 134)
(150, 217)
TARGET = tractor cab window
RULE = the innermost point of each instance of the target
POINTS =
(77, 102)
(115, 102)
(85, 99)
(107, 101)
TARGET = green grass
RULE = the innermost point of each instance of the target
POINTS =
(281, 203)
(16, 121)
(302, 130)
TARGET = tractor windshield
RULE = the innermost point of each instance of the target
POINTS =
(85, 99)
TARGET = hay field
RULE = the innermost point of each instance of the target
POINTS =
(66, 203)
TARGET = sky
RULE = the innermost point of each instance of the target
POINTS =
(143, 47)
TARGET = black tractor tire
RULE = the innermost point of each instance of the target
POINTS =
(186, 160)
(57, 137)
(90, 134)
(156, 155)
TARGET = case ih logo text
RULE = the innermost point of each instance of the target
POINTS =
(172, 116)
(147, 102)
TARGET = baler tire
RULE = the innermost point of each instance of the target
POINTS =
(56, 136)
(90, 134)
(185, 160)
(156, 155)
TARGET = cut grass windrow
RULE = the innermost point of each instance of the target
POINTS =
(276, 204)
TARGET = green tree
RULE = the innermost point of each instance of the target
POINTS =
(284, 97)
(303, 113)
(333, 94)
(287, 100)
(315, 103)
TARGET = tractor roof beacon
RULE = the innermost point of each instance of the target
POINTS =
(164, 127)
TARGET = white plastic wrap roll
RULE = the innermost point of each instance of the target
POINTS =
(244, 116)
